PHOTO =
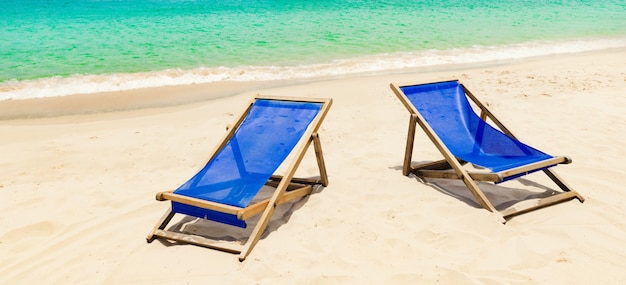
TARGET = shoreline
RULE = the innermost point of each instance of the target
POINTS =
(177, 95)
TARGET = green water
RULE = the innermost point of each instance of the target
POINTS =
(62, 38)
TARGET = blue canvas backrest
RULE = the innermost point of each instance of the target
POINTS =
(446, 111)
(265, 138)
(445, 107)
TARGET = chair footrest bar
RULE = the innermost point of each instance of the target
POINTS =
(258, 207)
(450, 174)
(435, 165)
(542, 203)
(200, 241)
(306, 181)
(436, 173)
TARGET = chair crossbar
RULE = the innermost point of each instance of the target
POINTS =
(541, 203)
(231, 247)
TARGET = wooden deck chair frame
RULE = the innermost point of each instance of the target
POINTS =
(287, 188)
(452, 168)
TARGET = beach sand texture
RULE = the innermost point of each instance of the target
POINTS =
(78, 191)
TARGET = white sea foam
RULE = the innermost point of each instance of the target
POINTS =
(84, 84)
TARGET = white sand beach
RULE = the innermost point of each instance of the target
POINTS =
(77, 190)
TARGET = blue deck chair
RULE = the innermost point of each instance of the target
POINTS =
(443, 111)
(272, 131)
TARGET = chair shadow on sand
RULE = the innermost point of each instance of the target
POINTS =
(222, 232)
(503, 195)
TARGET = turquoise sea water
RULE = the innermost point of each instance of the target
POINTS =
(60, 47)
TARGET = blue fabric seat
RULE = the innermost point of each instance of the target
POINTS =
(239, 170)
(447, 110)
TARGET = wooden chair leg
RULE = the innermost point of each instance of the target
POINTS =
(161, 224)
(561, 183)
(319, 155)
(264, 219)
(410, 140)
(478, 194)
(269, 210)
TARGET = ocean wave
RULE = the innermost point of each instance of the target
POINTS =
(85, 84)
